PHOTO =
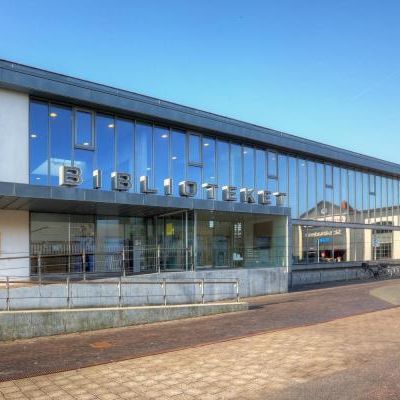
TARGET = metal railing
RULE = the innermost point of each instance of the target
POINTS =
(71, 298)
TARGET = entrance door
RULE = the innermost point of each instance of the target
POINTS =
(172, 240)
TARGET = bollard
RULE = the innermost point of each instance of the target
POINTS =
(84, 265)
(202, 291)
(237, 291)
(164, 284)
(40, 268)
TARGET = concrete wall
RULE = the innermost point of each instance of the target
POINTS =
(252, 282)
(14, 137)
(28, 324)
(14, 242)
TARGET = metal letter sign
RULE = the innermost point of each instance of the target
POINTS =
(69, 176)
(188, 188)
(121, 181)
(247, 195)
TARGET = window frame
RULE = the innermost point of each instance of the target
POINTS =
(77, 145)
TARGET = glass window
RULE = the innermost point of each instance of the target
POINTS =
(336, 194)
(365, 198)
(378, 199)
(143, 152)
(222, 165)
(261, 176)
(124, 135)
(312, 190)
(194, 174)
(209, 171)
(293, 189)
(178, 161)
(395, 202)
(236, 165)
(372, 198)
(161, 155)
(302, 188)
(359, 193)
(272, 164)
(194, 149)
(328, 175)
(248, 167)
(384, 199)
(84, 129)
(320, 191)
(60, 140)
(352, 195)
(38, 143)
(390, 201)
(105, 160)
(283, 176)
(84, 160)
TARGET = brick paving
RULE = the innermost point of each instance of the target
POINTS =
(40, 356)
(261, 366)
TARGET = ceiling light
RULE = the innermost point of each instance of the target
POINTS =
(206, 144)
(37, 178)
(148, 169)
(33, 136)
(53, 115)
(244, 152)
(164, 136)
(86, 143)
(174, 157)
(111, 126)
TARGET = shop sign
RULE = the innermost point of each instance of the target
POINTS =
(120, 181)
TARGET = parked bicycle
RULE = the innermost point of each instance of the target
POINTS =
(379, 271)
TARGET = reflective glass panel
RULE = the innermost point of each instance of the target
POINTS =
(84, 128)
(143, 152)
(283, 176)
(209, 170)
(84, 160)
(236, 165)
(60, 140)
(38, 143)
(222, 165)
(312, 190)
(105, 160)
(161, 154)
(272, 164)
(248, 167)
(261, 176)
(178, 161)
(293, 186)
(302, 188)
(124, 134)
(194, 148)
(194, 174)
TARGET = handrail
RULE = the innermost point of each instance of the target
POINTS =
(69, 295)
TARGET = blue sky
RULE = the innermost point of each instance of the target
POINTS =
(325, 70)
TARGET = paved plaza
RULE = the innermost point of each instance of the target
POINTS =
(349, 357)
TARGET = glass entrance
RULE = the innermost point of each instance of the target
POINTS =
(173, 240)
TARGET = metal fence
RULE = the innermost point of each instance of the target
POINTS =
(111, 293)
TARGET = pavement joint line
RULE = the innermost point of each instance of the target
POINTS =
(200, 345)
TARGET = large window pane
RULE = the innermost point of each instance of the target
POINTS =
(248, 167)
(352, 195)
(209, 170)
(320, 191)
(359, 193)
(161, 154)
(60, 140)
(194, 148)
(38, 143)
(261, 175)
(124, 135)
(143, 152)
(272, 164)
(293, 186)
(236, 165)
(283, 176)
(222, 165)
(105, 160)
(178, 162)
(84, 129)
(302, 188)
(336, 194)
(312, 208)
(84, 160)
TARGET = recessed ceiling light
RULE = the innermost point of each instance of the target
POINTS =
(174, 157)
(37, 178)
(148, 169)
(111, 126)
(86, 143)
(53, 115)
(206, 144)
(244, 152)
(164, 136)
(33, 136)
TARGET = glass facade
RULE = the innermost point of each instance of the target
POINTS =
(315, 190)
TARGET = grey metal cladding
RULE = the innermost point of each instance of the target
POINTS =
(18, 196)
(61, 87)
